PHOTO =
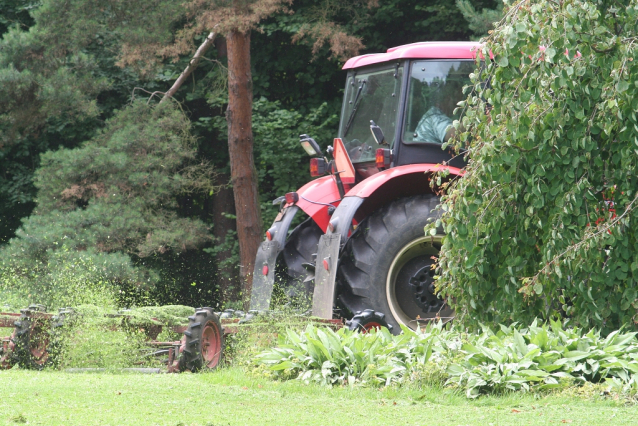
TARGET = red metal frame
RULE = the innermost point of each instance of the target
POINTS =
(212, 345)
(7, 319)
(316, 196)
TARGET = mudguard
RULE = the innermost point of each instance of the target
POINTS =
(325, 275)
(316, 197)
(266, 260)
(368, 186)
(341, 220)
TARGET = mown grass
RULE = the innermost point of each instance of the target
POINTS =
(230, 396)
(242, 393)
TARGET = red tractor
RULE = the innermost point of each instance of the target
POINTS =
(362, 251)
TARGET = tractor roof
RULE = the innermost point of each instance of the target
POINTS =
(422, 50)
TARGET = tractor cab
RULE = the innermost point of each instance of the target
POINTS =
(410, 94)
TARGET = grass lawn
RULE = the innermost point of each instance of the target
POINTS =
(230, 397)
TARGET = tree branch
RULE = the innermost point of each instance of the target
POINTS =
(190, 67)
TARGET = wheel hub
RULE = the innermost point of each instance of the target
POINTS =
(211, 345)
(410, 283)
(422, 285)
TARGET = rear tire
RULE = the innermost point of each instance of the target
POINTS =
(387, 264)
(292, 277)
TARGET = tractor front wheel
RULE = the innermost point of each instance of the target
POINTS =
(388, 264)
(365, 321)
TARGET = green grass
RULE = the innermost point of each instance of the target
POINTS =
(232, 397)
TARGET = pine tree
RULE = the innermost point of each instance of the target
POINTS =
(116, 200)
(480, 22)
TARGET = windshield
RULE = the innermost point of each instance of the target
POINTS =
(435, 89)
(370, 95)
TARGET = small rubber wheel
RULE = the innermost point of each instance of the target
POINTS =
(203, 343)
(366, 320)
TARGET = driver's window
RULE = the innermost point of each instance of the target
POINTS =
(435, 89)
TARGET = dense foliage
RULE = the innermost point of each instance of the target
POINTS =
(512, 359)
(277, 133)
(544, 221)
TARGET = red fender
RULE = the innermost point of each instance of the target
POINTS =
(316, 196)
(397, 182)
(370, 185)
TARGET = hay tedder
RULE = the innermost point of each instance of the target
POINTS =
(359, 256)
(38, 338)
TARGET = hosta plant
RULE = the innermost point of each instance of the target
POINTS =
(514, 358)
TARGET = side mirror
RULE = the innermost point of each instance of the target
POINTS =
(310, 146)
(377, 133)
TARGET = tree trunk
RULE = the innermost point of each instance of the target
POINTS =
(240, 148)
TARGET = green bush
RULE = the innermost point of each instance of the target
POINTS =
(544, 222)
(324, 356)
(282, 164)
(543, 358)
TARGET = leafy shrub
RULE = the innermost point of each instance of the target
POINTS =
(543, 358)
(281, 162)
(544, 223)
(512, 359)
(260, 334)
